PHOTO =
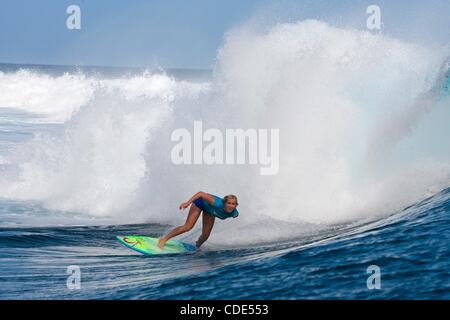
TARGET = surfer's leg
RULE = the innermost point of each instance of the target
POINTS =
(194, 213)
(208, 223)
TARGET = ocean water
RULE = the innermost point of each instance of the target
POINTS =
(410, 247)
(363, 181)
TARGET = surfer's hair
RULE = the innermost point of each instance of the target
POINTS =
(230, 196)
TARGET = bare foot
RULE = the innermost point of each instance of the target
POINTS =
(161, 243)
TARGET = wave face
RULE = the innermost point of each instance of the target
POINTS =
(410, 248)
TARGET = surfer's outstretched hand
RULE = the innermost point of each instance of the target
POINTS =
(184, 205)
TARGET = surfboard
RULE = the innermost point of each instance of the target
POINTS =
(149, 245)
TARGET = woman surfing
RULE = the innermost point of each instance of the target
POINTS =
(212, 206)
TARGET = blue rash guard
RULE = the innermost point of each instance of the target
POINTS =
(217, 209)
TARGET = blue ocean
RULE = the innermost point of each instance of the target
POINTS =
(359, 207)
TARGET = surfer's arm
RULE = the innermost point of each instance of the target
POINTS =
(205, 196)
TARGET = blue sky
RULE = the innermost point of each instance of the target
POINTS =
(183, 33)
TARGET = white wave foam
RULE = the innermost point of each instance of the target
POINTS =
(55, 98)
(344, 101)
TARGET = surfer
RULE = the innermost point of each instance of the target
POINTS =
(212, 207)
